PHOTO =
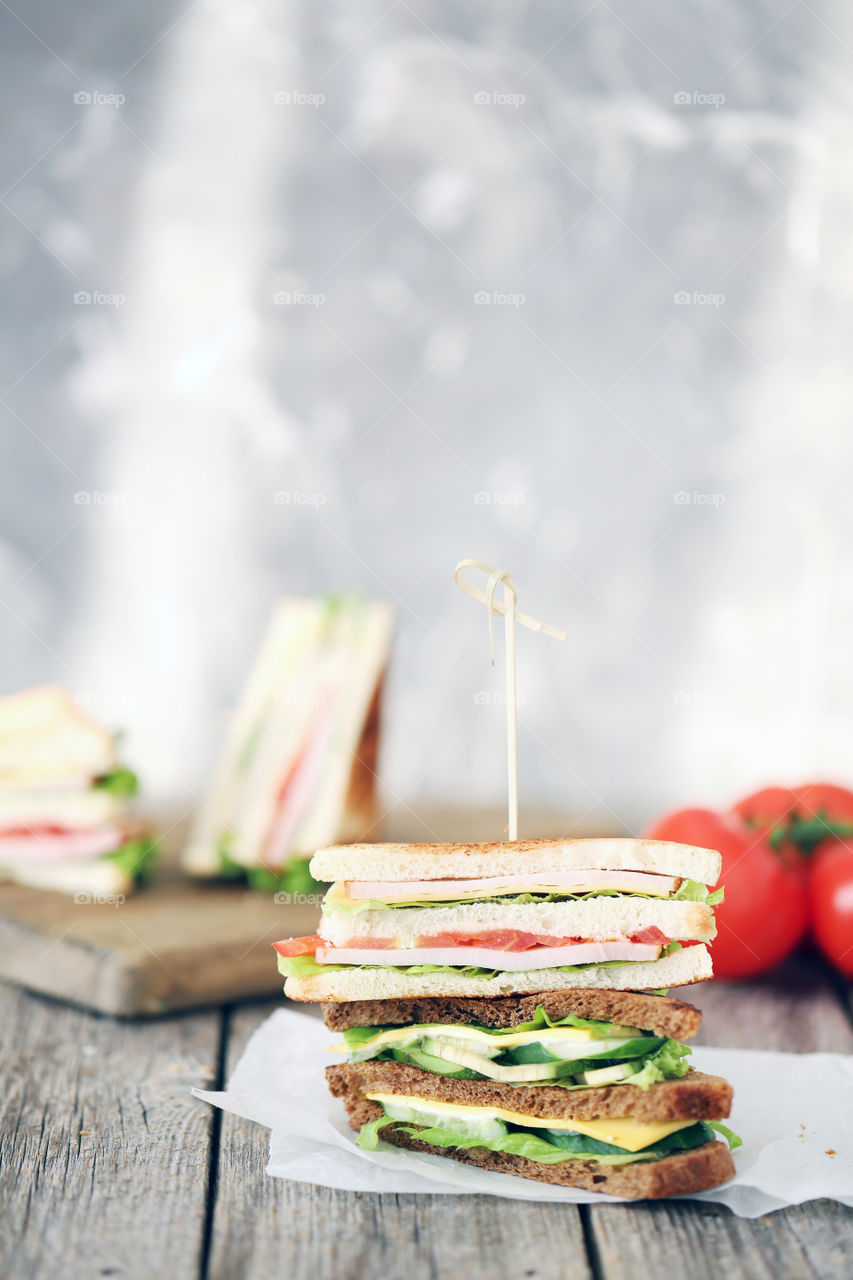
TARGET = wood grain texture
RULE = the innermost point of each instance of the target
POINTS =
(797, 1010)
(173, 945)
(103, 1150)
(267, 1227)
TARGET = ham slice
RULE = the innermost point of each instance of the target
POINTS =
(485, 958)
(297, 787)
(42, 846)
(495, 886)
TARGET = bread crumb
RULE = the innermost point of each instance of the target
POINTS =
(830, 1152)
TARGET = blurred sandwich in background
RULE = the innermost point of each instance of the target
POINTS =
(65, 817)
(298, 769)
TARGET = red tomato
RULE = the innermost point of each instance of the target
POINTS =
(299, 946)
(768, 808)
(772, 812)
(763, 916)
(825, 800)
(831, 898)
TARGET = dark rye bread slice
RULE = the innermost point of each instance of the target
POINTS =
(679, 1174)
(661, 1014)
(694, 1097)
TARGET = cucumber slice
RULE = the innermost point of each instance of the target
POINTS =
(491, 1070)
(608, 1075)
(547, 1048)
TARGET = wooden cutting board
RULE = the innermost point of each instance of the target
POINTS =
(179, 943)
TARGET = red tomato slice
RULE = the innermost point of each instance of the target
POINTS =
(650, 935)
(763, 916)
(299, 946)
(15, 833)
(368, 944)
(494, 939)
(831, 899)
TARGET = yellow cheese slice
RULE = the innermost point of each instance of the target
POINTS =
(627, 1133)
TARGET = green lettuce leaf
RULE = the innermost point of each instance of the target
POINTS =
(368, 1134)
(294, 878)
(693, 891)
(666, 1064)
(553, 1147)
(121, 782)
(307, 967)
(136, 858)
(696, 1135)
(731, 1138)
(355, 1037)
(541, 1019)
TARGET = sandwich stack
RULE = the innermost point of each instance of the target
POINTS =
(298, 767)
(65, 815)
(504, 1005)
(494, 998)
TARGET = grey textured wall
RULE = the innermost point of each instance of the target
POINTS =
(565, 286)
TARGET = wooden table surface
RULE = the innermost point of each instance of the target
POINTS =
(111, 1168)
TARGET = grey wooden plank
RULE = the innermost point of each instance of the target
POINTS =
(795, 1009)
(103, 1151)
(264, 1226)
(173, 945)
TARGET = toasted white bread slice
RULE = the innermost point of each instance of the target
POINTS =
(91, 879)
(71, 808)
(44, 734)
(691, 964)
(404, 862)
(593, 919)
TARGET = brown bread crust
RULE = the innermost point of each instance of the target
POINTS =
(695, 1097)
(661, 1014)
(679, 1174)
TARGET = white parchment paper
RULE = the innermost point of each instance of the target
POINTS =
(793, 1112)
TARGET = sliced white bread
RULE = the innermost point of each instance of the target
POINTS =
(71, 808)
(303, 716)
(44, 734)
(406, 862)
(593, 919)
(89, 878)
(691, 964)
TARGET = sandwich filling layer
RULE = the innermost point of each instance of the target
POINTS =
(65, 816)
(310, 956)
(572, 1052)
(538, 917)
(544, 1140)
(353, 897)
